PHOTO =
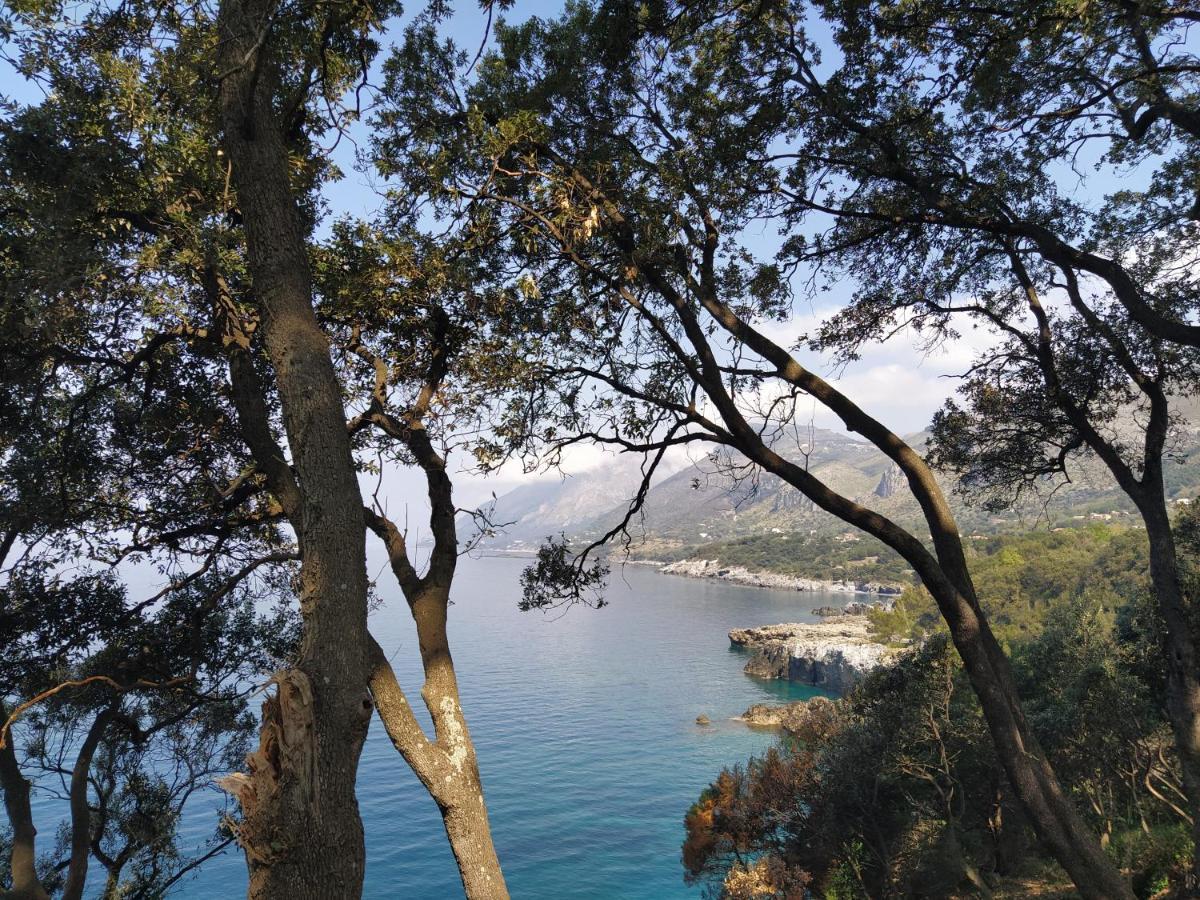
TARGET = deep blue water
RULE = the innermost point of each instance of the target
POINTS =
(586, 733)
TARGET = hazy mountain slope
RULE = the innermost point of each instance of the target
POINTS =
(712, 500)
(565, 504)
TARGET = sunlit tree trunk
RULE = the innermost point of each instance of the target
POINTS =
(300, 828)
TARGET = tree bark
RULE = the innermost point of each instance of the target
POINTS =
(1183, 685)
(81, 816)
(1053, 816)
(300, 830)
(23, 858)
(447, 766)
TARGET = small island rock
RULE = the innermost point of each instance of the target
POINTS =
(805, 719)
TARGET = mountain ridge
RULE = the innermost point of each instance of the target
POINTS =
(720, 498)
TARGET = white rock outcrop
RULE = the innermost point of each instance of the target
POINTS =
(833, 655)
(713, 568)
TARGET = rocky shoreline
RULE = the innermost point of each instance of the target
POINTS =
(833, 655)
(712, 568)
(805, 719)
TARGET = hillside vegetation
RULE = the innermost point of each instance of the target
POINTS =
(897, 793)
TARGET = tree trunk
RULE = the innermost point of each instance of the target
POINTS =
(300, 830)
(1052, 814)
(1183, 685)
(23, 858)
(947, 578)
(460, 793)
(81, 816)
(446, 766)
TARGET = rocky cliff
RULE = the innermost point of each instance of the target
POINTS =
(833, 655)
(891, 482)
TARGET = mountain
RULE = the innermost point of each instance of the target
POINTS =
(719, 498)
(567, 503)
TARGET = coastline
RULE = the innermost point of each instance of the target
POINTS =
(712, 568)
(833, 656)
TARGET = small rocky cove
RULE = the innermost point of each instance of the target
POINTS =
(833, 655)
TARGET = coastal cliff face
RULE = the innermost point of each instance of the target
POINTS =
(712, 568)
(833, 655)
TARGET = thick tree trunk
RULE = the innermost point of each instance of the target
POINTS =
(23, 858)
(1183, 683)
(1050, 811)
(301, 830)
(947, 578)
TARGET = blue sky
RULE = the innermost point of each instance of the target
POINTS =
(897, 382)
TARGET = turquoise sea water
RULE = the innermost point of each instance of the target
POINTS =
(586, 733)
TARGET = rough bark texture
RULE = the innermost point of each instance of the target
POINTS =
(446, 765)
(448, 768)
(23, 859)
(303, 836)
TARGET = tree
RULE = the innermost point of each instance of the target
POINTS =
(97, 450)
(164, 198)
(625, 190)
(130, 722)
(944, 149)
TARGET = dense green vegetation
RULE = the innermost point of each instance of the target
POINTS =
(1015, 573)
(197, 368)
(901, 796)
(1020, 576)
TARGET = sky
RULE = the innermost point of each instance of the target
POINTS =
(898, 382)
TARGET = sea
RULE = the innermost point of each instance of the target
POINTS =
(585, 725)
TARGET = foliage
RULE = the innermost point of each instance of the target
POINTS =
(559, 578)
(1021, 576)
(1087, 656)
(170, 715)
(744, 815)
(903, 798)
(911, 616)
